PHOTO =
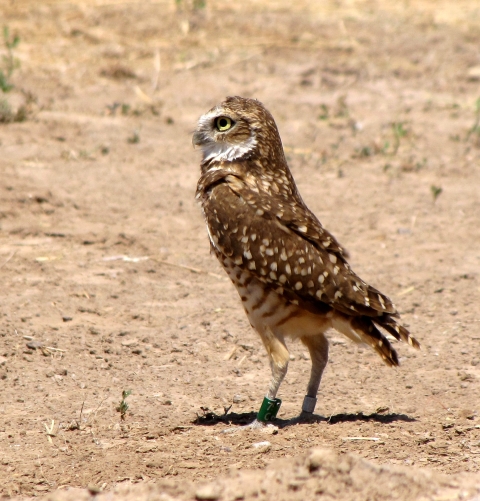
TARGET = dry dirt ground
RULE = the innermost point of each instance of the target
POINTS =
(108, 284)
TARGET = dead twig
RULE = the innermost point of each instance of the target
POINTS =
(230, 354)
(76, 425)
(51, 348)
(406, 291)
(98, 408)
(50, 433)
(81, 411)
(8, 259)
(157, 67)
(368, 439)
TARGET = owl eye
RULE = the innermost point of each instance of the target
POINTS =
(224, 123)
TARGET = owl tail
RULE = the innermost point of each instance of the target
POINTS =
(397, 331)
(372, 336)
(362, 330)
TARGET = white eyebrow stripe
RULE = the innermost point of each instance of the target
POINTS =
(222, 151)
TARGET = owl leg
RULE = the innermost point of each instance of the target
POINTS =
(279, 356)
(318, 348)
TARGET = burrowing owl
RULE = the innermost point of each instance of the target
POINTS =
(291, 273)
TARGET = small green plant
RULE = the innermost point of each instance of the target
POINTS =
(195, 4)
(475, 129)
(134, 138)
(324, 113)
(6, 113)
(399, 131)
(421, 164)
(436, 190)
(342, 107)
(123, 406)
(9, 62)
(8, 65)
(365, 151)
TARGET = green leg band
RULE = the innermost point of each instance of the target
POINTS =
(269, 409)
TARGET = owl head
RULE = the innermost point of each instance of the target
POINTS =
(236, 130)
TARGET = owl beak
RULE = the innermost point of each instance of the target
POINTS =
(198, 138)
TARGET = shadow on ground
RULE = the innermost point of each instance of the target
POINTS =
(210, 418)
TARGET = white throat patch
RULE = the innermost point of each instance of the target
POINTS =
(226, 151)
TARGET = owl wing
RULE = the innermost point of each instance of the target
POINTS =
(283, 246)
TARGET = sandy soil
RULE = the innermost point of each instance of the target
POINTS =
(107, 280)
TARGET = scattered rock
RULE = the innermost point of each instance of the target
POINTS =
(474, 73)
(270, 429)
(147, 448)
(189, 465)
(465, 376)
(209, 492)
(318, 457)
(153, 434)
(130, 342)
(262, 446)
(34, 345)
(94, 489)
(468, 413)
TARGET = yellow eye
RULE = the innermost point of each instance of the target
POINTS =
(224, 123)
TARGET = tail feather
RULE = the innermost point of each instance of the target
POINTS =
(378, 301)
(397, 330)
(374, 338)
(362, 329)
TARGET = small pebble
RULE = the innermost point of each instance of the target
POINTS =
(33, 345)
(208, 492)
(262, 446)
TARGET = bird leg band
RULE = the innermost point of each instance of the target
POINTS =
(269, 409)
(309, 404)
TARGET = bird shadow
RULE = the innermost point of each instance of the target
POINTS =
(210, 418)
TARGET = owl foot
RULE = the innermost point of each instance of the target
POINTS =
(267, 412)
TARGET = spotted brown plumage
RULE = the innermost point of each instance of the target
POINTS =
(291, 273)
